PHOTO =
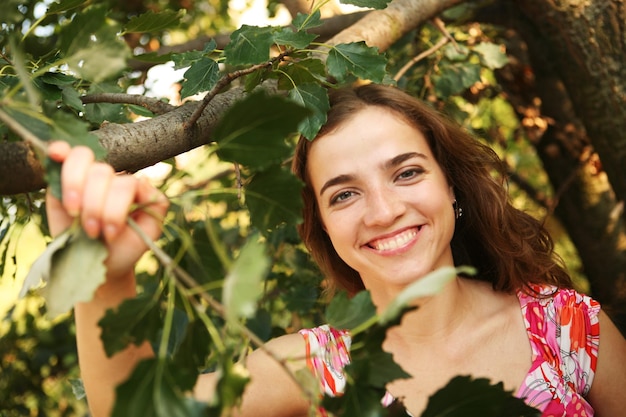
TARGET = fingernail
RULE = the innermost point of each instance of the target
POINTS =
(92, 228)
(72, 203)
(110, 231)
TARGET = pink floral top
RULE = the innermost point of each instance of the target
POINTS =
(563, 332)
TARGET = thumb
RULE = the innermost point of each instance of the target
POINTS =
(58, 218)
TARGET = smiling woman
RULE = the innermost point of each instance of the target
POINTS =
(386, 181)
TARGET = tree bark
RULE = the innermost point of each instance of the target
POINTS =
(584, 202)
(587, 41)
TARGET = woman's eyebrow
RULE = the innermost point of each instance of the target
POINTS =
(397, 160)
(340, 179)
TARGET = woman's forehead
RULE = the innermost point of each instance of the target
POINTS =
(373, 136)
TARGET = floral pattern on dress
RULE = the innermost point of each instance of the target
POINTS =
(563, 331)
(564, 334)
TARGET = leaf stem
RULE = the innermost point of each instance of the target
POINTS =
(24, 133)
(169, 318)
(224, 81)
(217, 245)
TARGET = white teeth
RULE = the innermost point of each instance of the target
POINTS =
(395, 242)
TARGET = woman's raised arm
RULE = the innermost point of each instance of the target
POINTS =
(103, 200)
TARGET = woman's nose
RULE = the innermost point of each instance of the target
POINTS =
(383, 207)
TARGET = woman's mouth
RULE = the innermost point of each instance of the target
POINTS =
(394, 242)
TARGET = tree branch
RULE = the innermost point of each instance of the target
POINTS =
(155, 105)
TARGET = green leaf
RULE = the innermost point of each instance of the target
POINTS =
(315, 98)
(140, 110)
(252, 132)
(78, 389)
(455, 78)
(34, 125)
(273, 198)
(242, 286)
(63, 266)
(249, 45)
(201, 76)
(53, 177)
(195, 347)
(491, 55)
(429, 284)
(375, 4)
(67, 128)
(348, 313)
(135, 320)
(307, 21)
(98, 113)
(154, 57)
(302, 71)
(64, 6)
(359, 401)
(58, 79)
(153, 390)
(233, 380)
(369, 372)
(93, 49)
(185, 60)
(357, 59)
(154, 21)
(297, 40)
(456, 53)
(71, 98)
(464, 396)
(41, 269)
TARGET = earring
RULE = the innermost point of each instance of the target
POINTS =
(458, 211)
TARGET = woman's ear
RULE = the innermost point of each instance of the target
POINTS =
(451, 192)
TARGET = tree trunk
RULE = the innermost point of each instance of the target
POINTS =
(585, 202)
(587, 44)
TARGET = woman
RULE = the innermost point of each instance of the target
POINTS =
(393, 191)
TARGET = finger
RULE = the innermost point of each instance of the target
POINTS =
(58, 150)
(121, 195)
(73, 176)
(95, 194)
(58, 219)
(155, 203)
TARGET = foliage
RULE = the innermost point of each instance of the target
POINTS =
(231, 272)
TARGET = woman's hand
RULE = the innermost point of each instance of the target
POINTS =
(102, 200)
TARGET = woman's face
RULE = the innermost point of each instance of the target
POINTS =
(383, 199)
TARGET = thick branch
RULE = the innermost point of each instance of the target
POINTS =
(130, 146)
(382, 28)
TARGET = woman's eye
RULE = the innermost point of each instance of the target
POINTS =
(343, 196)
(409, 173)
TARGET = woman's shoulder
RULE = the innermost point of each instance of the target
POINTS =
(326, 340)
(564, 322)
(551, 297)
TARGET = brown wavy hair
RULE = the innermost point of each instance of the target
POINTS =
(509, 248)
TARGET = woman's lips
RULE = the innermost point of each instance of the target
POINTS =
(394, 242)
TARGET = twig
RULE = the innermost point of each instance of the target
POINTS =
(223, 82)
(442, 28)
(182, 276)
(6, 58)
(24, 133)
(239, 182)
(419, 57)
(153, 104)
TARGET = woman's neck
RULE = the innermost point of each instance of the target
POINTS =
(443, 314)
